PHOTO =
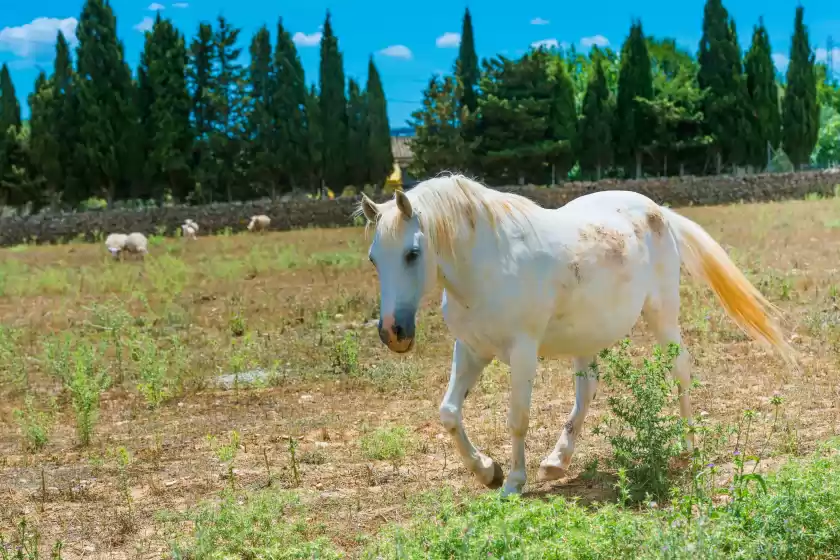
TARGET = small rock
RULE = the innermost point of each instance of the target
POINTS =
(170, 483)
(305, 398)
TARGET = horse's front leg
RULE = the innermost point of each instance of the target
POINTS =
(523, 371)
(466, 369)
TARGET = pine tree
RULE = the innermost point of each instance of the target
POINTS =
(202, 84)
(14, 168)
(379, 156)
(467, 65)
(721, 72)
(104, 87)
(263, 150)
(800, 109)
(357, 136)
(290, 111)
(595, 125)
(164, 107)
(333, 110)
(764, 98)
(632, 123)
(438, 144)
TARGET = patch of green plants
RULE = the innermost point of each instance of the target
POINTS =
(386, 444)
(35, 424)
(86, 383)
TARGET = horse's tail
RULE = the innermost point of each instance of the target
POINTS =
(706, 259)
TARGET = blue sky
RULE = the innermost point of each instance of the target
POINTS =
(409, 40)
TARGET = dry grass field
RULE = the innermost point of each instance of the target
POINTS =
(334, 437)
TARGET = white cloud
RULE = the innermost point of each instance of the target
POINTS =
(595, 40)
(397, 51)
(539, 21)
(547, 43)
(781, 61)
(38, 36)
(303, 40)
(145, 25)
(180, 5)
(448, 40)
(154, 7)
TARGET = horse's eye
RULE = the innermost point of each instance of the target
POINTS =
(411, 256)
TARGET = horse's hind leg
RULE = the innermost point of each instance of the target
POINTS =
(466, 369)
(661, 313)
(586, 384)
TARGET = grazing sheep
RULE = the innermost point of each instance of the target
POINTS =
(259, 223)
(115, 243)
(189, 229)
(137, 243)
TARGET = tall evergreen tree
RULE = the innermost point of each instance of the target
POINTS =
(262, 148)
(202, 84)
(333, 109)
(9, 104)
(379, 156)
(721, 72)
(105, 95)
(45, 149)
(632, 123)
(800, 108)
(438, 144)
(595, 147)
(290, 111)
(764, 98)
(467, 65)
(314, 140)
(64, 124)
(229, 98)
(357, 136)
(164, 107)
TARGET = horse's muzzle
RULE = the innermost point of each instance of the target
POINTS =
(397, 334)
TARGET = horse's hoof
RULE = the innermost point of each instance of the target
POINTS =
(498, 477)
(548, 473)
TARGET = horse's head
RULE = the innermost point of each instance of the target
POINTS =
(400, 252)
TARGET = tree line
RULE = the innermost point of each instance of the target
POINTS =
(192, 124)
(652, 110)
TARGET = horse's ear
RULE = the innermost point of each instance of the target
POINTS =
(369, 208)
(403, 204)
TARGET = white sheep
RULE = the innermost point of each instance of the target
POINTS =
(189, 229)
(259, 223)
(137, 243)
(115, 243)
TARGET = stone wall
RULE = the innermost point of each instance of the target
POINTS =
(293, 214)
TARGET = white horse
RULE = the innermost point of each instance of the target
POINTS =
(521, 281)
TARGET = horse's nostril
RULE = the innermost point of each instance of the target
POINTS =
(398, 331)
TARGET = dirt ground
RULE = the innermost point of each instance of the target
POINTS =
(291, 304)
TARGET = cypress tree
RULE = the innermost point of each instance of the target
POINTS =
(262, 147)
(164, 106)
(105, 96)
(800, 108)
(357, 136)
(9, 104)
(333, 110)
(467, 65)
(763, 96)
(229, 98)
(201, 84)
(314, 140)
(632, 123)
(438, 144)
(64, 125)
(379, 156)
(721, 72)
(290, 107)
(44, 146)
(595, 124)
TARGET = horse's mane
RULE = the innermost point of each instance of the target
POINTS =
(450, 206)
